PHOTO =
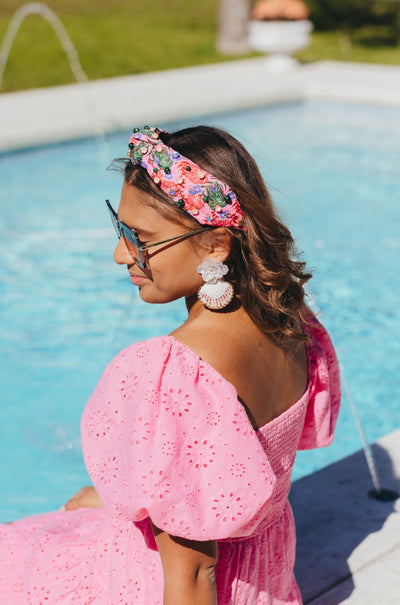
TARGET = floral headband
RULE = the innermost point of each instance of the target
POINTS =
(198, 192)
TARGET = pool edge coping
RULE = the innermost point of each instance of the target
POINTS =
(47, 115)
(343, 535)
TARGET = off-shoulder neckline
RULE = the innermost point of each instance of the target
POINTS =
(221, 378)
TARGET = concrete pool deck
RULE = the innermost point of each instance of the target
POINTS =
(45, 115)
(348, 544)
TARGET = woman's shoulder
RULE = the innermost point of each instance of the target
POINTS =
(221, 344)
(202, 341)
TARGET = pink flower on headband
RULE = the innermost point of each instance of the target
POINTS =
(203, 196)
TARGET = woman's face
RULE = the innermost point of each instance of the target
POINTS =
(171, 270)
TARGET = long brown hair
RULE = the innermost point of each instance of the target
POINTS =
(268, 277)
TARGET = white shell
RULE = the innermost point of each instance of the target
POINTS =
(216, 296)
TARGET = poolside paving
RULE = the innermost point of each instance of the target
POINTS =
(348, 544)
(77, 110)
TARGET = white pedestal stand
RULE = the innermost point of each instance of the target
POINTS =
(280, 39)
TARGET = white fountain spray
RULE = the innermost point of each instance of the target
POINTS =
(39, 8)
(378, 493)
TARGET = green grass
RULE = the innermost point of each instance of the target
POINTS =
(365, 46)
(113, 38)
(120, 37)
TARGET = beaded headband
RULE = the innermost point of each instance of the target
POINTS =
(198, 192)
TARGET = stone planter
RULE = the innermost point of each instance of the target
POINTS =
(279, 39)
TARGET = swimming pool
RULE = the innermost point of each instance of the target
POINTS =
(65, 309)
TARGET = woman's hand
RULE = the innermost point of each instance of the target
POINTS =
(87, 497)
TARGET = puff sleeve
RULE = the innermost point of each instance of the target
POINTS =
(165, 436)
(325, 393)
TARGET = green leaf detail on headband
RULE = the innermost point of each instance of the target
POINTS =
(136, 155)
(164, 159)
(215, 195)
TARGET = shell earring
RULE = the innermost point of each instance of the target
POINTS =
(215, 293)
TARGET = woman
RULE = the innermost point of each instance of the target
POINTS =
(190, 438)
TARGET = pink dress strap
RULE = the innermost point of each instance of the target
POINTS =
(325, 392)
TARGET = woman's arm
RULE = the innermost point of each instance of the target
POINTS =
(189, 569)
(86, 497)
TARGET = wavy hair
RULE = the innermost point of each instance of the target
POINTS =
(263, 265)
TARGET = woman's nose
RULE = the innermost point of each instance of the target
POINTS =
(121, 254)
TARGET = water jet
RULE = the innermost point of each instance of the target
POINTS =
(41, 9)
(378, 493)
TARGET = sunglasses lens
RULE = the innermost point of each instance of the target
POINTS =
(129, 237)
(133, 247)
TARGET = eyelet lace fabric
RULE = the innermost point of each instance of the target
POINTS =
(164, 436)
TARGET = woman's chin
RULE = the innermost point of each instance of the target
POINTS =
(148, 295)
(154, 298)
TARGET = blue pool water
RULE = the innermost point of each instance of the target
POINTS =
(65, 309)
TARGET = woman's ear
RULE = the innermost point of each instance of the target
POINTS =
(217, 244)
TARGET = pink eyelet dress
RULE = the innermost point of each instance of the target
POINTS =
(164, 436)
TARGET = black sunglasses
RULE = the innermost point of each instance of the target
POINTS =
(131, 238)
